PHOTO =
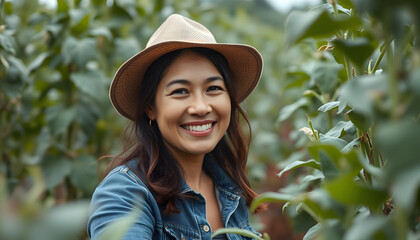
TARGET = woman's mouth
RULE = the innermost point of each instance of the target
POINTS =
(198, 128)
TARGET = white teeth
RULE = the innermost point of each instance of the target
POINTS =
(198, 128)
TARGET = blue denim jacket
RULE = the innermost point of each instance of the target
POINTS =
(122, 191)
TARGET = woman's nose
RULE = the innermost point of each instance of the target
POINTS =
(199, 106)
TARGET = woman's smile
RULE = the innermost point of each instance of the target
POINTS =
(199, 129)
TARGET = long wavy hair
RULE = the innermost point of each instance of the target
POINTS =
(157, 168)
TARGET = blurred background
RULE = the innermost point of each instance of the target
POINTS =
(58, 57)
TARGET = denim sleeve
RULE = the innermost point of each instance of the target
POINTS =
(119, 194)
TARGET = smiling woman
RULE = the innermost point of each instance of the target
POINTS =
(185, 172)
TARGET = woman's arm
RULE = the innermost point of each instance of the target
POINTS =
(118, 195)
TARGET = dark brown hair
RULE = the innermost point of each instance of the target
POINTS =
(156, 166)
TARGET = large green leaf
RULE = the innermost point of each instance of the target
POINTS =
(91, 83)
(333, 161)
(288, 110)
(357, 50)
(398, 142)
(270, 197)
(406, 188)
(317, 24)
(325, 75)
(366, 228)
(310, 163)
(361, 121)
(341, 128)
(363, 93)
(336, 141)
(328, 106)
(345, 190)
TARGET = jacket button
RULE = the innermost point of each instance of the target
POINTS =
(206, 228)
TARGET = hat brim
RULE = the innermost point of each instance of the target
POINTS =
(245, 64)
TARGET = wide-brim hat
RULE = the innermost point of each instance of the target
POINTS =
(179, 32)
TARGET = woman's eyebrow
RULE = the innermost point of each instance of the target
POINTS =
(180, 81)
(186, 82)
(214, 78)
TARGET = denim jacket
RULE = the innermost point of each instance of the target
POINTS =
(122, 192)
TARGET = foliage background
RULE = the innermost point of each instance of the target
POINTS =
(361, 158)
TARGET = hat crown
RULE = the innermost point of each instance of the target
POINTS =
(180, 28)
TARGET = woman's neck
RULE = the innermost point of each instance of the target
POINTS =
(193, 173)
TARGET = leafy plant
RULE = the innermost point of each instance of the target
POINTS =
(361, 94)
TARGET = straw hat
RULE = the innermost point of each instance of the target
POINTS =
(179, 32)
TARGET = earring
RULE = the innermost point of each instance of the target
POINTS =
(150, 122)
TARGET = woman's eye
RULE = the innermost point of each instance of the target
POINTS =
(214, 88)
(179, 91)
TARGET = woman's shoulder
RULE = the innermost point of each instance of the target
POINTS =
(123, 179)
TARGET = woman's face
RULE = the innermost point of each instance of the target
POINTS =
(192, 106)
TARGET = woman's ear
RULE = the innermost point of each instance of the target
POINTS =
(150, 112)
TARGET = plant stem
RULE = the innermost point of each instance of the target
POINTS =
(392, 81)
(381, 55)
(347, 66)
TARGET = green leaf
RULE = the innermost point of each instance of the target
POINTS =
(310, 163)
(79, 51)
(84, 173)
(346, 191)
(87, 116)
(398, 142)
(355, 142)
(406, 188)
(328, 106)
(320, 205)
(325, 76)
(59, 118)
(16, 77)
(288, 110)
(101, 31)
(366, 228)
(363, 92)
(239, 231)
(54, 170)
(361, 121)
(317, 24)
(91, 83)
(7, 43)
(80, 19)
(312, 232)
(128, 6)
(44, 141)
(269, 197)
(358, 50)
(338, 142)
(340, 128)
(62, 6)
(37, 62)
(333, 161)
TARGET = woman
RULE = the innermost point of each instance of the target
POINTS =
(185, 171)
